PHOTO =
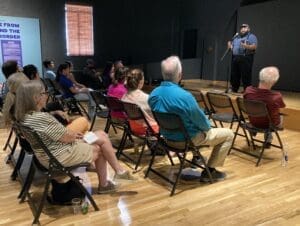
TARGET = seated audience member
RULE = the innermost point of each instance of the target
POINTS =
(67, 146)
(91, 78)
(117, 89)
(71, 75)
(134, 84)
(49, 67)
(31, 72)
(71, 90)
(268, 76)
(169, 97)
(79, 124)
(117, 64)
(107, 74)
(8, 68)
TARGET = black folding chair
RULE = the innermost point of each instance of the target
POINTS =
(255, 109)
(172, 123)
(136, 115)
(222, 109)
(101, 106)
(55, 168)
(12, 147)
(200, 98)
(116, 105)
(71, 104)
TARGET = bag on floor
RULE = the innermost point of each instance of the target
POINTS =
(63, 193)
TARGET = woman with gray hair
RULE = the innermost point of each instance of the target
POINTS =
(67, 146)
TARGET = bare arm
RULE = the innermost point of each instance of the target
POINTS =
(76, 90)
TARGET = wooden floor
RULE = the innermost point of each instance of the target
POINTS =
(264, 195)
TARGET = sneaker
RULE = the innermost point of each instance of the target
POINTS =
(216, 176)
(109, 188)
(124, 176)
(197, 160)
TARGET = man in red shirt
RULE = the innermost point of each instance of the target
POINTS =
(268, 76)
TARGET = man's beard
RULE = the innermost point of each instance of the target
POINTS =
(243, 35)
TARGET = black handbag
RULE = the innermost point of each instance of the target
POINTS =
(63, 193)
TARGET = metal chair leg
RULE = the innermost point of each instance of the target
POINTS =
(182, 160)
(140, 156)
(43, 199)
(18, 164)
(8, 139)
(151, 161)
(27, 183)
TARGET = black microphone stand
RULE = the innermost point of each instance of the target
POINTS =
(228, 50)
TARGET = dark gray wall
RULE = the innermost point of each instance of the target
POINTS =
(146, 31)
(276, 25)
(52, 22)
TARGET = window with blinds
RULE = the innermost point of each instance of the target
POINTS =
(79, 30)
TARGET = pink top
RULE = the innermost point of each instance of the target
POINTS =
(118, 91)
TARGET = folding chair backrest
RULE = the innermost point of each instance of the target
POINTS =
(22, 140)
(252, 108)
(219, 101)
(53, 86)
(200, 99)
(36, 142)
(114, 104)
(135, 113)
(171, 123)
(98, 97)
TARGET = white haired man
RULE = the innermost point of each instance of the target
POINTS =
(268, 76)
(169, 97)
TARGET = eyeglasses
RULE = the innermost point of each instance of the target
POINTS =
(44, 93)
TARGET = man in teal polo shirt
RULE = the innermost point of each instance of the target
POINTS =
(169, 97)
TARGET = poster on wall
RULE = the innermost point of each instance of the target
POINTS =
(20, 41)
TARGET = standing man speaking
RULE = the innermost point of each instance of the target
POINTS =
(243, 46)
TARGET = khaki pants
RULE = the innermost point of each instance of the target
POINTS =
(220, 139)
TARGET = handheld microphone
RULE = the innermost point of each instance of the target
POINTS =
(236, 34)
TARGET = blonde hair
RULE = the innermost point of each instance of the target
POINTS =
(25, 98)
(171, 68)
(13, 82)
(134, 77)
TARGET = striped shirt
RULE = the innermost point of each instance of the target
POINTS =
(50, 131)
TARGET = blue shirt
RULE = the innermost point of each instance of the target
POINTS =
(237, 49)
(169, 97)
(49, 74)
(66, 84)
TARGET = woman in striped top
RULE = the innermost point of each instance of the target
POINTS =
(67, 146)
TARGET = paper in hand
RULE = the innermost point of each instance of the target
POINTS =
(90, 137)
